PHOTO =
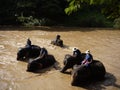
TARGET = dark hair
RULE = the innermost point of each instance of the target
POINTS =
(58, 36)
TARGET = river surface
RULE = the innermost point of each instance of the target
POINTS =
(104, 45)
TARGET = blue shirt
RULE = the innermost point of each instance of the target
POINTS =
(88, 57)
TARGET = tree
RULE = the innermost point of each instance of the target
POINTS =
(111, 8)
(7, 11)
(28, 10)
(50, 8)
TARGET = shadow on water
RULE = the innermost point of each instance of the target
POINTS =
(51, 28)
(65, 46)
(109, 80)
(42, 71)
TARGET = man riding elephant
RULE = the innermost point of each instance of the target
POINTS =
(28, 44)
(29, 51)
(88, 58)
(76, 52)
(82, 74)
(71, 60)
(57, 41)
(25, 53)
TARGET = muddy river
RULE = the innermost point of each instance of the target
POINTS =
(103, 43)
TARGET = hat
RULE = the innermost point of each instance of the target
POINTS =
(42, 47)
(74, 49)
(87, 51)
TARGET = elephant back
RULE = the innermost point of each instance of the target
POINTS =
(97, 69)
(41, 63)
(83, 56)
(33, 66)
(82, 74)
(66, 58)
(48, 61)
(60, 43)
(25, 53)
(34, 51)
(70, 60)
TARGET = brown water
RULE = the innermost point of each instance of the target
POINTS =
(104, 45)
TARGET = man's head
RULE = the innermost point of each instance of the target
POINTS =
(74, 49)
(58, 36)
(87, 51)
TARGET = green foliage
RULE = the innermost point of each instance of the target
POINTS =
(47, 22)
(7, 11)
(28, 21)
(99, 2)
(74, 5)
(111, 8)
(50, 8)
(117, 23)
(12, 9)
(87, 18)
(52, 12)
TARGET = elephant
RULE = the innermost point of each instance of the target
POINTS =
(25, 53)
(58, 43)
(69, 61)
(40, 63)
(82, 74)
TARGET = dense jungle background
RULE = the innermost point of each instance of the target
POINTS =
(85, 24)
(82, 13)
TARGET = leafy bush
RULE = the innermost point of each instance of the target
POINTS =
(30, 21)
(87, 18)
(47, 22)
(117, 23)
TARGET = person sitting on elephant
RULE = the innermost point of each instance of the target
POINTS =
(57, 39)
(28, 45)
(76, 52)
(43, 52)
(88, 58)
